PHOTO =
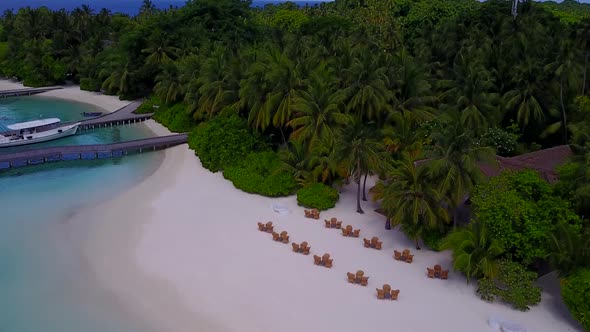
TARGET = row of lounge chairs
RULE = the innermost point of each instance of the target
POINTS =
(437, 272)
(302, 248)
(357, 278)
(403, 256)
(313, 214)
(373, 243)
(324, 261)
(386, 293)
(348, 231)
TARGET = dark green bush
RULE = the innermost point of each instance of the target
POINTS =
(575, 290)
(261, 173)
(318, 196)
(433, 239)
(89, 84)
(504, 141)
(175, 118)
(513, 284)
(224, 141)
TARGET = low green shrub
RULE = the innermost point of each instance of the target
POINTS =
(175, 118)
(433, 239)
(318, 196)
(575, 290)
(223, 141)
(513, 284)
(260, 173)
(89, 84)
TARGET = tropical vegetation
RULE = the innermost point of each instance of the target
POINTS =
(418, 95)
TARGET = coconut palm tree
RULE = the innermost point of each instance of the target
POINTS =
(318, 109)
(410, 197)
(475, 251)
(453, 164)
(361, 149)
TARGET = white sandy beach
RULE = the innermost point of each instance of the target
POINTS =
(183, 249)
(73, 93)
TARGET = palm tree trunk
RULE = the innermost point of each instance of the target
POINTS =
(387, 224)
(417, 244)
(563, 111)
(365, 187)
(358, 191)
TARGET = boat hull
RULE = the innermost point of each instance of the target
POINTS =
(49, 135)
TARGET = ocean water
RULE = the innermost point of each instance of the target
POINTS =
(130, 7)
(45, 284)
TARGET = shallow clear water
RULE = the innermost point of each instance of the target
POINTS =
(44, 283)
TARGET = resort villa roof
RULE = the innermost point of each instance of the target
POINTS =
(543, 161)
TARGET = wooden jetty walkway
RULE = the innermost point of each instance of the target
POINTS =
(121, 116)
(26, 91)
(89, 152)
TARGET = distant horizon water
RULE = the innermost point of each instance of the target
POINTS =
(130, 7)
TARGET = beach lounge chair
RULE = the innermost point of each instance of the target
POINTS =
(378, 245)
(409, 258)
(430, 272)
(394, 294)
(317, 260)
(327, 222)
(380, 294)
(295, 247)
(444, 274)
(269, 227)
(350, 277)
(364, 281)
(261, 227)
(305, 250)
(328, 263)
(338, 224)
(276, 236)
(308, 214)
(356, 233)
(367, 243)
(315, 213)
(347, 231)
(397, 255)
(284, 237)
(386, 288)
(359, 274)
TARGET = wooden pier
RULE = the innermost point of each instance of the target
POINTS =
(89, 152)
(26, 91)
(121, 116)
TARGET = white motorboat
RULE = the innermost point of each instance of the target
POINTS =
(36, 131)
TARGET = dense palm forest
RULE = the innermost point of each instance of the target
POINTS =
(417, 93)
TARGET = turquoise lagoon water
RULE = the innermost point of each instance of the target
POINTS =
(44, 282)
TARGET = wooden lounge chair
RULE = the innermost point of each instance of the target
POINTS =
(359, 274)
(328, 224)
(367, 243)
(303, 245)
(276, 236)
(444, 274)
(374, 240)
(409, 258)
(394, 294)
(345, 232)
(437, 268)
(296, 247)
(364, 281)
(269, 227)
(317, 260)
(380, 294)
(284, 237)
(378, 245)
(397, 255)
(308, 214)
(351, 277)
(261, 227)
(356, 233)
(305, 250)
(430, 272)
(328, 263)
(315, 213)
(338, 224)
(386, 288)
